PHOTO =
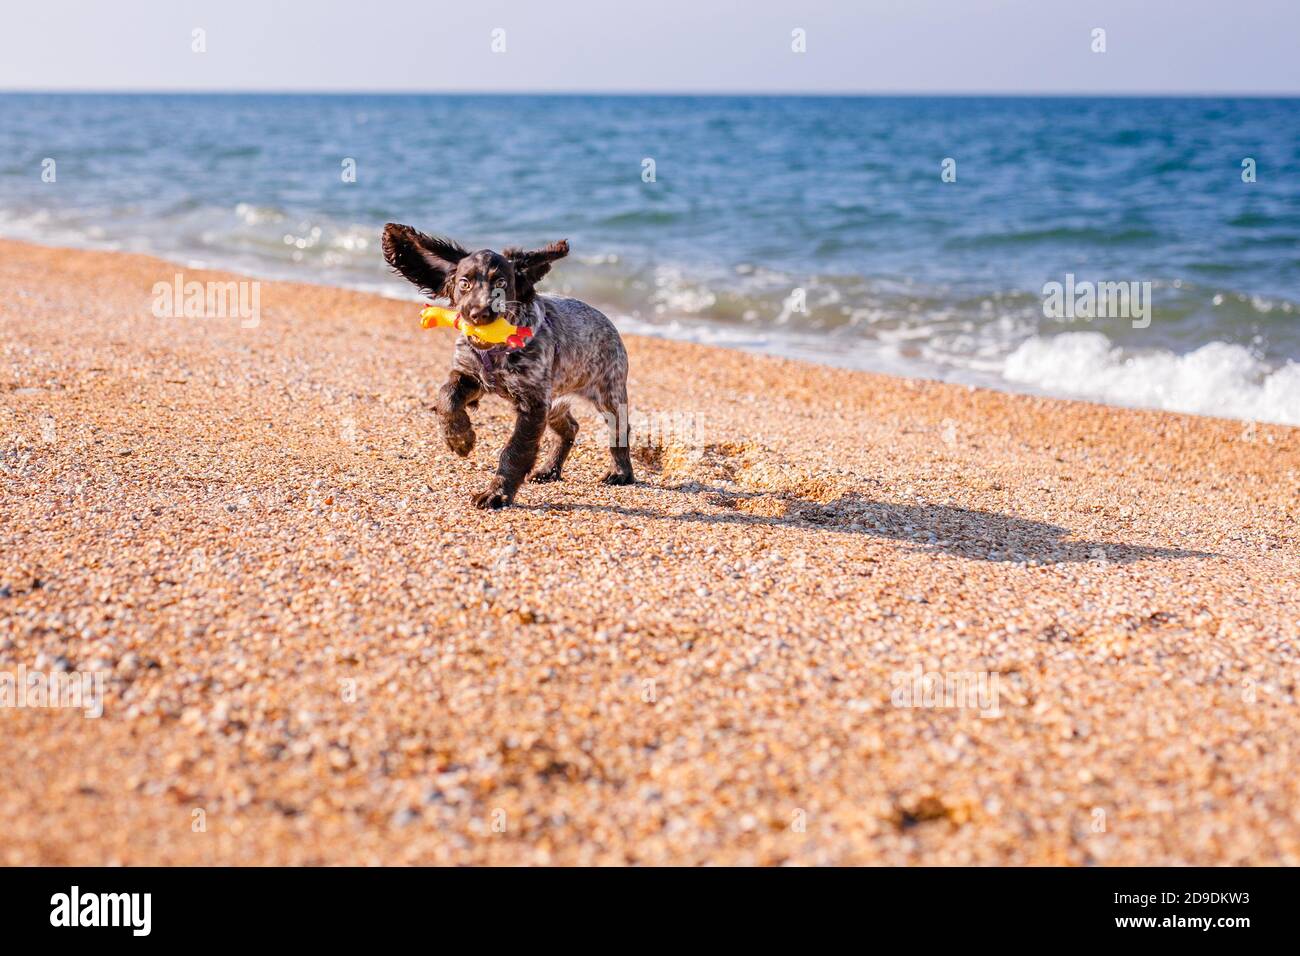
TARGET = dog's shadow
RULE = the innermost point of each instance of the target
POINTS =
(962, 532)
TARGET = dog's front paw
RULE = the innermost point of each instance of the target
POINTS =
(546, 474)
(491, 499)
(618, 478)
(461, 442)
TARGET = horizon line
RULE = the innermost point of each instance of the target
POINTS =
(811, 94)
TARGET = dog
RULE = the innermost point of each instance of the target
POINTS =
(574, 352)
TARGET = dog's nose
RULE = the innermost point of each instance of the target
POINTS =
(478, 315)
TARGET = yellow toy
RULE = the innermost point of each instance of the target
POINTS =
(496, 332)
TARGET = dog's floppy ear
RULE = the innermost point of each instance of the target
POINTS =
(530, 267)
(424, 260)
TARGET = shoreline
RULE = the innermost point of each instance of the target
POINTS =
(781, 343)
(309, 636)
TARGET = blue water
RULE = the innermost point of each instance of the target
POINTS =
(754, 198)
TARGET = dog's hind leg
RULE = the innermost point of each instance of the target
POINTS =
(610, 400)
(561, 421)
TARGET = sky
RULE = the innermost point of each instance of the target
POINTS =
(658, 46)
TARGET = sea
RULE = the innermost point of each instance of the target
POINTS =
(921, 236)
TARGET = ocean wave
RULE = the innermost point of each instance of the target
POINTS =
(1216, 379)
(962, 330)
(641, 217)
(253, 215)
(1058, 234)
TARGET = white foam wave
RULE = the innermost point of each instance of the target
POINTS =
(859, 324)
(1216, 379)
(673, 293)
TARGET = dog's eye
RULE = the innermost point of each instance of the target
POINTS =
(500, 283)
(462, 283)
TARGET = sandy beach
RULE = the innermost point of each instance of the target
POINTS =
(314, 651)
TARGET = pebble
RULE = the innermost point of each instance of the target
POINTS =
(706, 667)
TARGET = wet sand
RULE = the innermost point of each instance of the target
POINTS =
(314, 651)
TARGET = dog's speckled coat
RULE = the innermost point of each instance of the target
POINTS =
(575, 352)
